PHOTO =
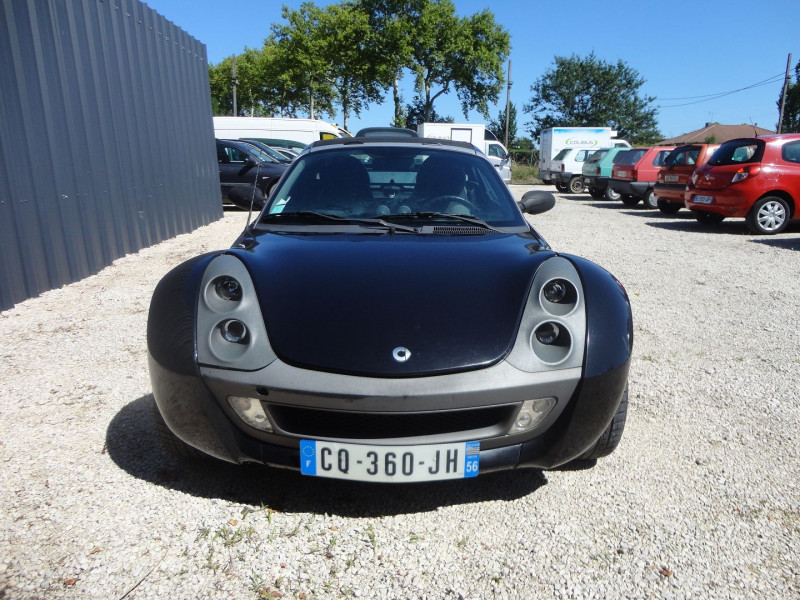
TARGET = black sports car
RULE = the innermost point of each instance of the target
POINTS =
(391, 316)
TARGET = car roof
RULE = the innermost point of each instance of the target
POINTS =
(393, 140)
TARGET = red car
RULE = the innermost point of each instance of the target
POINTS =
(755, 178)
(634, 176)
(674, 175)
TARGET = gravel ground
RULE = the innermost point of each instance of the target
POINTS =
(699, 501)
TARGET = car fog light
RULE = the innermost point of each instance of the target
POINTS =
(250, 411)
(234, 331)
(228, 288)
(531, 414)
(547, 333)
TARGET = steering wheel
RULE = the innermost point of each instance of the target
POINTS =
(445, 200)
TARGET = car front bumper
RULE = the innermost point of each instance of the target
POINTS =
(301, 404)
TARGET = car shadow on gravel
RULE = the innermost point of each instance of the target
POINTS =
(778, 242)
(133, 444)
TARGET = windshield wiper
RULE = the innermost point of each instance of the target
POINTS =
(440, 215)
(312, 215)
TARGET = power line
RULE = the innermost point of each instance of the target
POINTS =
(708, 97)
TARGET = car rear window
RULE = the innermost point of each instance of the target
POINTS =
(597, 156)
(685, 155)
(661, 156)
(621, 156)
(738, 151)
(629, 157)
(562, 154)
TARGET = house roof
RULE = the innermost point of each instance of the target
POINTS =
(720, 133)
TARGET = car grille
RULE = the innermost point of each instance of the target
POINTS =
(316, 423)
(459, 230)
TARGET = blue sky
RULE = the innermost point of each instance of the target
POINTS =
(687, 52)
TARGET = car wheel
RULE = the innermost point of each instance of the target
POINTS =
(172, 443)
(613, 195)
(595, 193)
(628, 200)
(768, 216)
(668, 208)
(575, 185)
(650, 200)
(707, 218)
(612, 435)
(561, 187)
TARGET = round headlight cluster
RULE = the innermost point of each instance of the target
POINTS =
(559, 296)
(234, 331)
(228, 288)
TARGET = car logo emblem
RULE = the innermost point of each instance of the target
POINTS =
(401, 354)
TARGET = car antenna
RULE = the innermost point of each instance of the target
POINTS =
(253, 197)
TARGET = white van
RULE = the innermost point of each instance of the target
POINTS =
(300, 131)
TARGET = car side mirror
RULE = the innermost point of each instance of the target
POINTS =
(250, 162)
(536, 202)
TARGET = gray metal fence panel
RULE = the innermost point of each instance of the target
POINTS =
(106, 138)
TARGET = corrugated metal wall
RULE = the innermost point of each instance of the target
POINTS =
(106, 138)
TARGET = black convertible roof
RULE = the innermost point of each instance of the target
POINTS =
(375, 140)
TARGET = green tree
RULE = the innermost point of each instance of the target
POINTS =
(465, 55)
(390, 47)
(348, 43)
(498, 127)
(589, 92)
(791, 108)
(300, 58)
(445, 53)
(415, 114)
(250, 92)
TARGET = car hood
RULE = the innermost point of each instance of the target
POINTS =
(344, 303)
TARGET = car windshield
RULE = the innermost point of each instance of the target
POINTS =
(738, 151)
(398, 182)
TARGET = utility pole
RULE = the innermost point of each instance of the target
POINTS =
(508, 99)
(785, 90)
(234, 83)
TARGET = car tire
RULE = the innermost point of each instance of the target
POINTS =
(172, 443)
(629, 200)
(769, 216)
(708, 218)
(613, 195)
(561, 187)
(595, 193)
(610, 438)
(650, 200)
(668, 208)
(575, 185)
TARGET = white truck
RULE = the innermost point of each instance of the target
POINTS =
(554, 140)
(477, 135)
(277, 131)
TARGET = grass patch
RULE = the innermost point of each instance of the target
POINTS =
(524, 174)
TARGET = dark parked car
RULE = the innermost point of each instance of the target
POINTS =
(755, 178)
(246, 173)
(391, 316)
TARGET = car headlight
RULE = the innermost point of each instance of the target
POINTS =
(230, 327)
(552, 332)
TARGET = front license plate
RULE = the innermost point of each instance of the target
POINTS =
(389, 464)
(670, 178)
(703, 199)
